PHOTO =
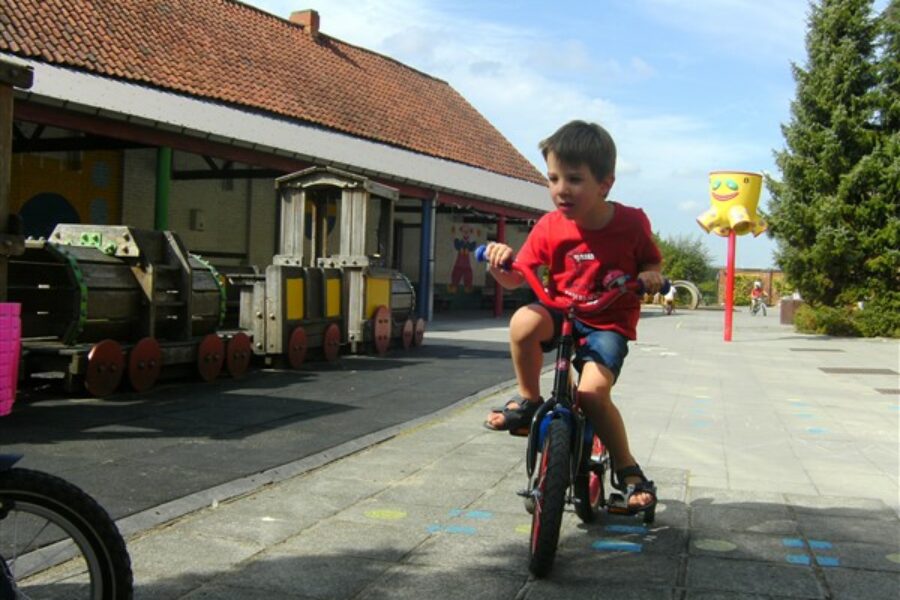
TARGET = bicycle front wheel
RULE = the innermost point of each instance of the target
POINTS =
(57, 542)
(551, 484)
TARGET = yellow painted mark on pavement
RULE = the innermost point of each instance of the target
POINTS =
(386, 514)
(524, 528)
(714, 545)
(894, 557)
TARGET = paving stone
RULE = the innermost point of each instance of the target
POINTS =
(755, 518)
(851, 584)
(413, 582)
(739, 576)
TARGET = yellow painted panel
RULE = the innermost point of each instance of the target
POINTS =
(89, 186)
(333, 297)
(378, 292)
(294, 299)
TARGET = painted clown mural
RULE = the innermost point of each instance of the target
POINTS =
(464, 243)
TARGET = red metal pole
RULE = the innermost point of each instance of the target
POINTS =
(498, 289)
(729, 285)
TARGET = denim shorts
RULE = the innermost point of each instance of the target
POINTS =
(609, 348)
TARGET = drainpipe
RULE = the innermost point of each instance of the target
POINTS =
(498, 289)
(163, 183)
(426, 264)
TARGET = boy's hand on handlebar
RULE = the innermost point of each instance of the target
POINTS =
(652, 280)
(498, 255)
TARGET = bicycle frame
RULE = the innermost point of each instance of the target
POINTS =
(563, 402)
(559, 432)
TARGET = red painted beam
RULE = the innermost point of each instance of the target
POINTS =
(57, 117)
(65, 119)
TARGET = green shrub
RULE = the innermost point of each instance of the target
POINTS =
(877, 319)
(825, 320)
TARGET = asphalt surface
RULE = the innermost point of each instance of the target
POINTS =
(776, 457)
(134, 452)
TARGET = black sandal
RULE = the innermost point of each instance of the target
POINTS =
(515, 402)
(643, 486)
(516, 421)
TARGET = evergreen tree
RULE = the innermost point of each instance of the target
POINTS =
(834, 213)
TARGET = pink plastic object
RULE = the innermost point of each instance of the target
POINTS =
(10, 347)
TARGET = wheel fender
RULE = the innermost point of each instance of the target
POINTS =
(560, 412)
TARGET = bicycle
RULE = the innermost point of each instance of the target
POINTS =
(56, 541)
(573, 460)
(757, 305)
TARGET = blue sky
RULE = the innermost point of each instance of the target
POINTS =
(684, 87)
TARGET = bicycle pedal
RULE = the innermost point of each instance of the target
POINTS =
(525, 493)
(617, 505)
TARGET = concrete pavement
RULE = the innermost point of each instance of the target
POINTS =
(776, 456)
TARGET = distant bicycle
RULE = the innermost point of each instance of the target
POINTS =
(56, 541)
(757, 305)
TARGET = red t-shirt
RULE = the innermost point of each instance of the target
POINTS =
(580, 260)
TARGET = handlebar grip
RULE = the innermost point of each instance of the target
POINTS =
(481, 256)
(664, 289)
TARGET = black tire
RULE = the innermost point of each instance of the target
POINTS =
(590, 493)
(551, 484)
(43, 512)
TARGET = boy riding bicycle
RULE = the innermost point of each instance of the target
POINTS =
(587, 242)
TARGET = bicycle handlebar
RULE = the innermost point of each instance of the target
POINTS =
(564, 304)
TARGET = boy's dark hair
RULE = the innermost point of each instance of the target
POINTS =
(579, 142)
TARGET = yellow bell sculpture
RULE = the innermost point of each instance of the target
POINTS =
(733, 197)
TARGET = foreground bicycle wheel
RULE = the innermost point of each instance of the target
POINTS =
(589, 489)
(551, 484)
(57, 542)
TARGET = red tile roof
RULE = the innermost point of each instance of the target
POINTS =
(233, 53)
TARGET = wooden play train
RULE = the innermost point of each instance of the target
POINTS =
(103, 304)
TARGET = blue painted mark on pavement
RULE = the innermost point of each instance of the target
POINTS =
(828, 561)
(797, 559)
(454, 512)
(452, 529)
(615, 546)
(816, 430)
(460, 529)
(481, 515)
(626, 529)
(792, 542)
(819, 545)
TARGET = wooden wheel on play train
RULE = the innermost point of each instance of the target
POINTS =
(331, 342)
(105, 367)
(407, 334)
(381, 330)
(419, 335)
(238, 354)
(210, 357)
(297, 346)
(144, 364)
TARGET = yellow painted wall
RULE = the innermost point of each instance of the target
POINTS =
(89, 183)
